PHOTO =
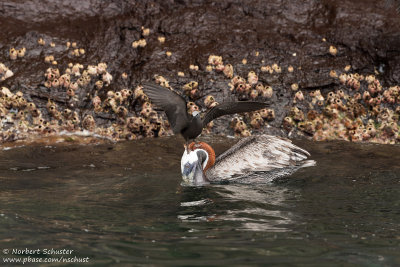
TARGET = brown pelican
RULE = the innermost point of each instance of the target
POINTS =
(255, 159)
(181, 122)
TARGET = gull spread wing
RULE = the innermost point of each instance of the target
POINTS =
(231, 108)
(173, 104)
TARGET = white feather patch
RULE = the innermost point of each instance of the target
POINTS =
(192, 157)
(188, 158)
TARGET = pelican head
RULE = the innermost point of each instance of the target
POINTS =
(196, 159)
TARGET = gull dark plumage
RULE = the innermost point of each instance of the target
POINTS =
(181, 122)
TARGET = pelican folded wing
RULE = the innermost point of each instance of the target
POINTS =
(258, 155)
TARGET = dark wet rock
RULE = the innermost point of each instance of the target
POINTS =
(366, 34)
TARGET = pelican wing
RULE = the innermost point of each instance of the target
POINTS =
(173, 104)
(263, 153)
(227, 108)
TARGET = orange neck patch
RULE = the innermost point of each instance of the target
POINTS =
(210, 151)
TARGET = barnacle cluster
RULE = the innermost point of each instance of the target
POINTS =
(17, 53)
(255, 120)
(274, 68)
(73, 48)
(75, 77)
(21, 118)
(128, 123)
(142, 41)
(360, 109)
(357, 108)
(250, 88)
(5, 72)
(127, 111)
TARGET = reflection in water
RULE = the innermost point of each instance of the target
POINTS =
(196, 203)
(265, 208)
(270, 216)
(122, 203)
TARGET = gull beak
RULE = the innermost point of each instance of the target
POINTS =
(192, 174)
